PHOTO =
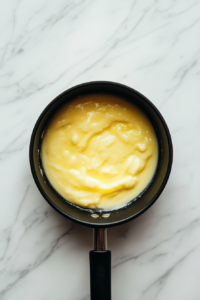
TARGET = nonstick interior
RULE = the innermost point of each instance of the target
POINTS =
(135, 207)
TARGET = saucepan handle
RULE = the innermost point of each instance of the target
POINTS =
(100, 275)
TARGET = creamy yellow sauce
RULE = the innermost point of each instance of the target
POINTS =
(99, 151)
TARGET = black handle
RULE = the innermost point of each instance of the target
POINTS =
(100, 275)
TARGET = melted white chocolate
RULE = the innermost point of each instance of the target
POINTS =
(99, 151)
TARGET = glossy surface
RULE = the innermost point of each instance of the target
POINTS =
(99, 151)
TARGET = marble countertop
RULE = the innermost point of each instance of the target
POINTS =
(47, 46)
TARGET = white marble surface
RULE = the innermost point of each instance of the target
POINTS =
(47, 46)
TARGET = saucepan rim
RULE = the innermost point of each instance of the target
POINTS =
(164, 182)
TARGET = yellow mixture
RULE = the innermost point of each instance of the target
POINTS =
(99, 151)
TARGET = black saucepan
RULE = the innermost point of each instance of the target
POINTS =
(100, 258)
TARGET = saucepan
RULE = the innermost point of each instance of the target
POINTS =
(100, 220)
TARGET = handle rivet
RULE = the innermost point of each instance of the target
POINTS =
(105, 215)
(95, 216)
